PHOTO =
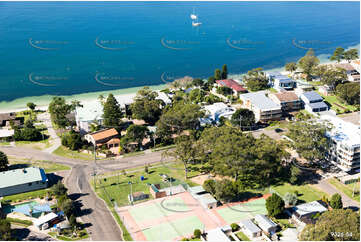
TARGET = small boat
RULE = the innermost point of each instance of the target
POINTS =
(195, 24)
(193, 16)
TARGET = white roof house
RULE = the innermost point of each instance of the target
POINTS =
(5, 133)
(265, 223)
(215, 111)
(309, 208)
(217, 235)
(207, 201)
(45, 219)
(250, 229)
(259, 100)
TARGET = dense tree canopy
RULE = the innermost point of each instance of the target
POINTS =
(309, 139)
(331, 76)
(308, 64)
(111, 112)
(256, 80)
(291, 67)
(349, 92)
(224, 72)
(178, 118)
(31, 106)
(337, 224)
(135, 133)
(59, 110)
(197, 95)
(72, 140)
(336, 201)
(338, 54)
(146, 106)
(5, 230)
(350, 54)
(243, 118)
(254, 162)
(218, 74)
(275, 205)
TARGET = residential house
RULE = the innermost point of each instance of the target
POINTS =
(352, 74)
(22, 180)
(345, 144)
(250, 229)
(107, 137)
(305, 213)
(264, 108)
(7, 118)
(215, 111)
(92, 111)
(303, 86)
(235, 86)
(266, 224)
(281, 82)
(325, 90)
(313, 102)
(288, 100)
(217, 235)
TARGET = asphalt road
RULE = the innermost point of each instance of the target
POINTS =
(94, 211)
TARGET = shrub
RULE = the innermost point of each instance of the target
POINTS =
(336, 201)
(197, 233)
(210, 186)
(234, 227)
(290, 199)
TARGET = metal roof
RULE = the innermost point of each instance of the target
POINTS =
(312, 96)
(21, 176)
(308, 208)
(217, 235)
(317, 105)
(45, 219)
(264, 222)
(260, 100)
(196, 189)
(249, 225)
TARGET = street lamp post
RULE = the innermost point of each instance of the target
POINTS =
(131, 192)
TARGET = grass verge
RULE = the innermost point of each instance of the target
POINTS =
(347, 189)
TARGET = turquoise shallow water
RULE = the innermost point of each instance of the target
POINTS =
(67, 48)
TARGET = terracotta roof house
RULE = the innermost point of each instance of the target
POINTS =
(236, 87)
(288, 100)
(108, 137)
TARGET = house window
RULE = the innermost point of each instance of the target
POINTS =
(30, 183)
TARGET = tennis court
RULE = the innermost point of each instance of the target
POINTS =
(170, 218)
(236, 213)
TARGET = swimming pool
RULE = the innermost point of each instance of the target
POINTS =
(31, 209)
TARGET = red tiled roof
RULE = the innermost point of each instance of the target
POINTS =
(231, 84)
(103, 134)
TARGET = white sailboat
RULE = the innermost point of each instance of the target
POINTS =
(193, 15)
(194, 18)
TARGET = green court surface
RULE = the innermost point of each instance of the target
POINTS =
(174, 204)
(148, 212)
(234, 214)
(186, 226)
(257, 206)
(174, 229)
(163, 231)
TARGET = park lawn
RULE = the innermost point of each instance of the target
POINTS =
(5, 143)
(48, 166)
(347, 189)
(65, 152)
(26, 196)
(242, 236)
(117, 188)
(307, 193)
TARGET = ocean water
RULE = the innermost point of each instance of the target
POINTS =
(71, 48)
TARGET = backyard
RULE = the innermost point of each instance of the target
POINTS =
(338, 105)
(240, 235)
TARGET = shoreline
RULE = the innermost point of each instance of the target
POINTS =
(127, 94)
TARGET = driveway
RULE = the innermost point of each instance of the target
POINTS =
(329, 189)
(55, 141)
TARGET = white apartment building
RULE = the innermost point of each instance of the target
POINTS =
(345, 144)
